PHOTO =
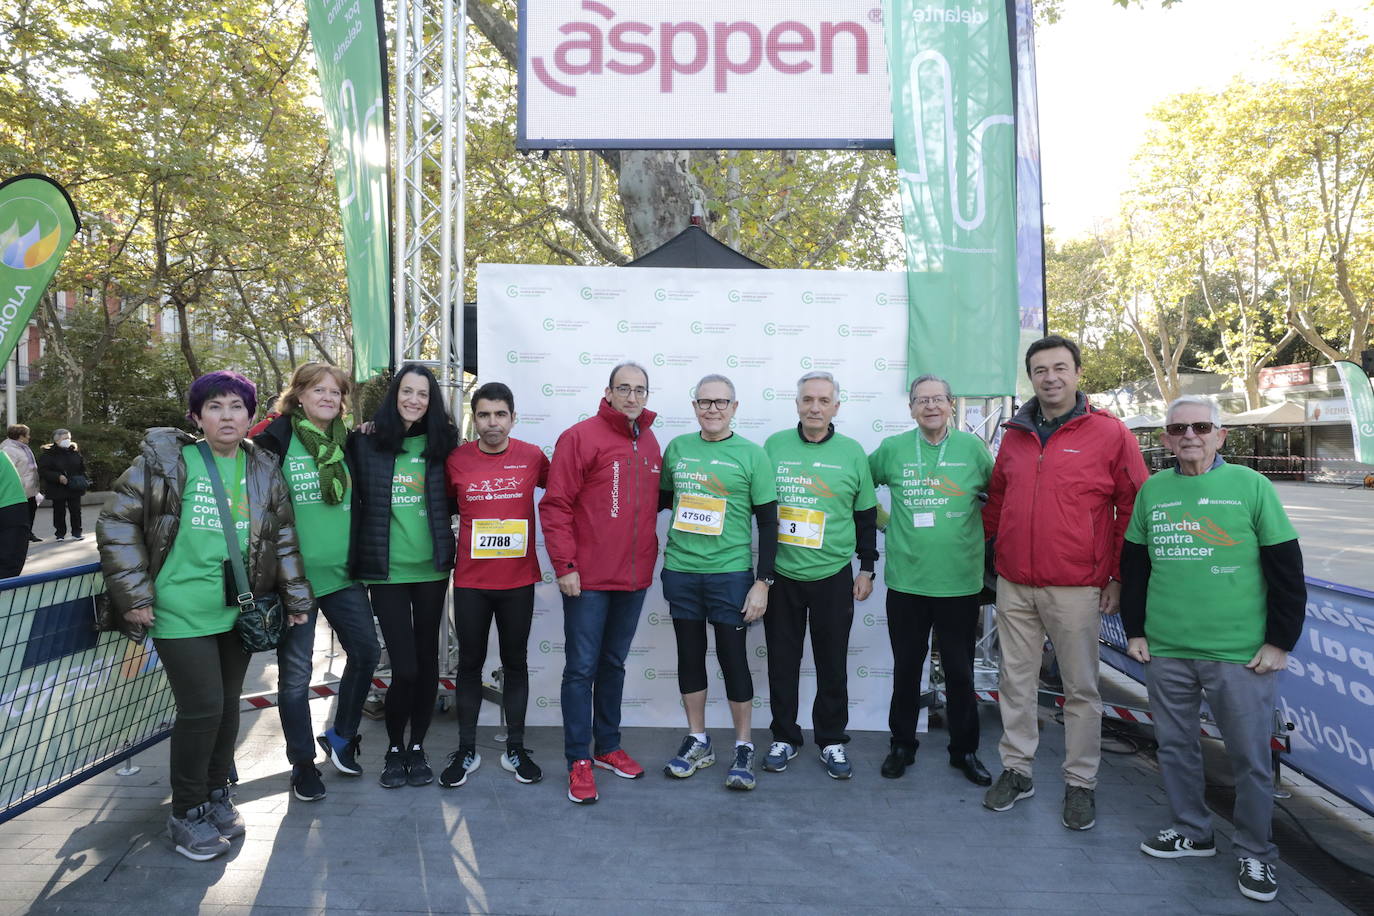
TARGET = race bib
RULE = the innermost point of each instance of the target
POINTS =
(801, 527)
(497, 538)
(923, 519)
(698, 514)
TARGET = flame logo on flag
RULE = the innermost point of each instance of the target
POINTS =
(27, 250)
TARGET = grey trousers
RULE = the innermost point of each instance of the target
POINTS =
(1242, 703)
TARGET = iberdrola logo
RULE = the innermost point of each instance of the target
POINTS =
(26, 247)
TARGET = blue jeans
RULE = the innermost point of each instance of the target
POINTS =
(598, 628)
(350, 614)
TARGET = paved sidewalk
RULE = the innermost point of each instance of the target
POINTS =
(800, 842)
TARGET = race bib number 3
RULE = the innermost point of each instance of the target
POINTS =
(497, 538)
(801, 527)
(697, 514)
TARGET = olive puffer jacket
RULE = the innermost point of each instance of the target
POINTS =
(140, 520)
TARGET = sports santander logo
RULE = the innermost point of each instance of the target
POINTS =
(606, 42)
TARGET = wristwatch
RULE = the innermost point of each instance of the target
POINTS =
(766, 580)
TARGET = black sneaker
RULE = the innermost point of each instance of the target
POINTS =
(517, 760)
(1256, 880)
(1170, 844)
(342, 752)
(461, 764)
(418, 772)
(306, 783)
(394, 769)
(896, 762)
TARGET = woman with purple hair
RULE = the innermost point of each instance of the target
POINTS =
(165, 559)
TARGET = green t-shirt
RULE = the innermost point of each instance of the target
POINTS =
(935, 537)
(1207, 597)
(820, 487)
(411, 547)
(715, 486)
(323, 530)
(11, 487)
(189, 589)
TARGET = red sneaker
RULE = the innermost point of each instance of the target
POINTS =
(620, 763)
(581, 783)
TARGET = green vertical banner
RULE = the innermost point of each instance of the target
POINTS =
(955, 136)
(349, 53)
(37, 223)
(1360, 395)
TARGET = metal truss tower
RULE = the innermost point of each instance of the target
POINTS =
(430, 133)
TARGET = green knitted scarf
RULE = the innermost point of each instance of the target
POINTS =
(327, 450)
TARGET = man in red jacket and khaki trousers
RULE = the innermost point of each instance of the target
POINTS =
(598, 514)
(1058, 505)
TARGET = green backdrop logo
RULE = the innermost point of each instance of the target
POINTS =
(877, 426)
(545, 646)
(880, 364)
(807, 362)
(548, 324)
(660, 294)
(808, 297)
(586, 292)
(881, 298)
(512, 291)
(861, 671)
(757, 702)
(541, 702)
(512, 356)
(732, 361)
(622, 326)
(650, 674)
(733, 295)
(25, 249)
(548, 390)
(584, 358)
(770, 329)
(870, 620)
(659, 359)
(769, 394)
(843, 330)
(547, 576)
(548, 453)
(696, 327)
(761, 651)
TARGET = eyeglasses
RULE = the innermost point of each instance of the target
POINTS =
(934, 400)
(625, 391)
(708, 403)
(1201, 428)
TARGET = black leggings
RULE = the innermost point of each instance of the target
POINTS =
(473, 610)
(409, 614)
(730, 652)
(206, 676)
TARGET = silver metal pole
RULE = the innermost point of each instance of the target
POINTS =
(12, 386)
(398, 197)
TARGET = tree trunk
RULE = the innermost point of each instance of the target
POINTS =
(656, 192)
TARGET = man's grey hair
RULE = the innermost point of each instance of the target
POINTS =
(716, 377)
(1193, 400)
(818, 374)
(949, 392)
(628, 364)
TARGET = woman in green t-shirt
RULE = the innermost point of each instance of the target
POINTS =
(403, 548)
(164, 555)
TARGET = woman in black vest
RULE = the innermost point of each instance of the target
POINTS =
(403, 549)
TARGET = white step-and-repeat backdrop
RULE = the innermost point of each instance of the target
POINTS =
(553, 334)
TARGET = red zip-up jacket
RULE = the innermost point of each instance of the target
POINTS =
(1059, 512)
(600, 508)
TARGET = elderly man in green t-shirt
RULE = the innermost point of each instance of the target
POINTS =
(1212, 599)
(827, 514)
(937, 477)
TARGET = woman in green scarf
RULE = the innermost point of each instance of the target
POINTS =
(308, 441)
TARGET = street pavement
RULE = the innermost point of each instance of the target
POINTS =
(800, 842)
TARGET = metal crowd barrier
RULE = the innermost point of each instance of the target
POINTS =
(73, 702)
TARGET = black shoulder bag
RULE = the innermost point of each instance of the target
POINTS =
(260, 623)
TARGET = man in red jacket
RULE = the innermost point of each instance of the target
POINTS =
(598, 515)
(1058, 505)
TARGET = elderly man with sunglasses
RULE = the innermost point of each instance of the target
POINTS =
(1212, 600)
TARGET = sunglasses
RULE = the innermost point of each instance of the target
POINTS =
(1201, 428)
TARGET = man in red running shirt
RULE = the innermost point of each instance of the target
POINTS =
(493, 481)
